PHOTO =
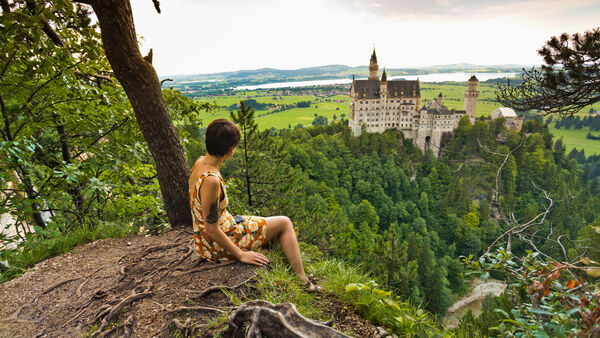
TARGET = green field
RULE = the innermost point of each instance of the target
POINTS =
(286, 118)
(576, 139)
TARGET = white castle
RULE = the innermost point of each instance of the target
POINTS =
(377, 105)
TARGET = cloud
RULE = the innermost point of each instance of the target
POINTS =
(461, 10)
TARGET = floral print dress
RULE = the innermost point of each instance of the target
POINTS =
(247, 235)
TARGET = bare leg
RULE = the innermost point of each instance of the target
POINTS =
(281, 227)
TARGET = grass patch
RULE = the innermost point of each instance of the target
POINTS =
(576, 138)
(48, 243)
(280, 285)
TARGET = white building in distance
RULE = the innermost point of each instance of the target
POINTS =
(513, 121)
(377, 105)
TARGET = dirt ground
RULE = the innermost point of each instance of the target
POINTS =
(135, 286)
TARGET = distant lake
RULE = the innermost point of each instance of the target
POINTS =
(439, 77)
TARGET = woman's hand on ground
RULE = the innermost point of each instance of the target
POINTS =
(251, 257)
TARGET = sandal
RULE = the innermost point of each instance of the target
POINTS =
(311, 288)
(312, 278)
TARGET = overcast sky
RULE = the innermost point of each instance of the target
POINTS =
(202, 36)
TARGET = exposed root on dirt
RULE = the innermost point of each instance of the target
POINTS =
(126, 327)
(161, 247)
(280, 320)
(185, 256)
(204, 267)
(60, 283)
(196, 308)
(185, 328)
(111, 311)
(15, 316)
(218, 288)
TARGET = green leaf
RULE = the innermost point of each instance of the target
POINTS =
(502, 312)
(484, 276)
(522, 321)
(542, 312)
(381, 293)
(352, 287)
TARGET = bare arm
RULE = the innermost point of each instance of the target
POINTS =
(210, 196)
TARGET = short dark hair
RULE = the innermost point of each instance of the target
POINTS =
(221, 135)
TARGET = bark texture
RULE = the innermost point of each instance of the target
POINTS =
(281, 320)
(139, 79)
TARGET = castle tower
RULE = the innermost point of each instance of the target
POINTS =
(383, 86)
(373, 67)
(353, 97)
(471, 96)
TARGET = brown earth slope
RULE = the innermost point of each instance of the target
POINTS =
(134, 286)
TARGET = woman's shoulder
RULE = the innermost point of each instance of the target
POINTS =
(198, 162)
(210, 183)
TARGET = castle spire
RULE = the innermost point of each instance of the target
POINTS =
(373, 67)
(383, 76)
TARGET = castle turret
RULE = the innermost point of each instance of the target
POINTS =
(383, 88)
(353, 96)
(471, 96)
(440, 98)
(373, 67)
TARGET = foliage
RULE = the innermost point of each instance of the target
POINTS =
(74, 165)
(566, 83)
(68, 139)
(303, 104)
(186, 114)
(577, 122)
(550, 299)
(320, 121)
(401, 318)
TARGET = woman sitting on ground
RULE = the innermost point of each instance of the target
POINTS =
(219, 235)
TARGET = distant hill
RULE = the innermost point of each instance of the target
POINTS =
(334, 71)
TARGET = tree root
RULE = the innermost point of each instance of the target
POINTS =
(60, 283)
(218, 288)
(176, 262)
(183, 327)
(68, 281)
(15, 316)
(108, 312)
(196, 308)
(158, 248)
(78, 292)
(178, 273)
(126, 326)
(281, 320)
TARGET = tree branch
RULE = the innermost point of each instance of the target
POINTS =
(48, 30)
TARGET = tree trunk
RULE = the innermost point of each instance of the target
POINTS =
(76, 190)
(139, 79)
(246, 169)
